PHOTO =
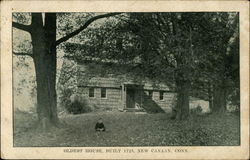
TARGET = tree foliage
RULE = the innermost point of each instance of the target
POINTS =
(42, 28)
(196, 52)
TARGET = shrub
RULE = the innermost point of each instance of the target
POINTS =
(77, 107)
(64, 98)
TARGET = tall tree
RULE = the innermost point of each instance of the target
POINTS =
(219, 65)
(188, 50)
(43, 35)
(228, 58)
(196, 46)
(168, 47)
(161, 44)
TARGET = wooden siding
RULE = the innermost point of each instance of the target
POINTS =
(112, 101)
(113, 85)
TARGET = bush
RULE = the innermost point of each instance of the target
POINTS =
(64, 98)
(77, 107)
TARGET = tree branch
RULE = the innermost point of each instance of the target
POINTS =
(23, 27)
(87, 23)
(22, 54)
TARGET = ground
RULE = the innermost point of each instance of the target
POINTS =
(129, 129)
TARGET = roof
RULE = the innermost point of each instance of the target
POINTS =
(80, 56)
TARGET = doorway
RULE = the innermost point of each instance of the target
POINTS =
(130, 98)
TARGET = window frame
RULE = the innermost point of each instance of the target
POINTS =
(161, 95)
(150, 94)
(90, 88)
(105, 93)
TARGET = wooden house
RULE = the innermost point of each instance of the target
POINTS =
(122, 92)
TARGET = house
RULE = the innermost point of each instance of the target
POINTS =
(110, 85)
(123, 92)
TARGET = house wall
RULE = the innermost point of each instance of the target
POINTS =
(157, 105)
(111, 102)
(169, 99)
(114, 99)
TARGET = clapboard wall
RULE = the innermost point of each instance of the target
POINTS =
(111, 102)
(113, 86)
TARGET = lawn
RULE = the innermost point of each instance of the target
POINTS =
(129, 129)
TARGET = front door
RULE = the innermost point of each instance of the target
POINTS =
(130, 100)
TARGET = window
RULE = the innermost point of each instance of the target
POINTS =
(91, 92)
(161, 95)
(150, 94)
(103, 93)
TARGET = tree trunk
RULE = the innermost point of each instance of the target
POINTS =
(219, 99)
(50, 29)
(44, 51)
(182, 87)
(210, 96)
(181, 110)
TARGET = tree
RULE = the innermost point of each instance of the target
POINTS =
(168, 48)
(44, 42)
(228, 59)
(197, 48)
(160, 48)
(219, 66)
(187, 51)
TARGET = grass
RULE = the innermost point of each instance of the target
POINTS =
(129, 129)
